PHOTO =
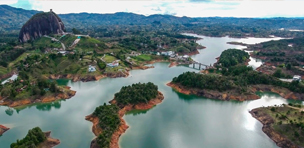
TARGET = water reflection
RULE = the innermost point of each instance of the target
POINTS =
(48, 106)
(136, 112)
(9, 111)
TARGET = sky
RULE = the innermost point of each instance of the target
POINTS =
(190, 8)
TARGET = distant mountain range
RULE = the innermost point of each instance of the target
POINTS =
(12, 19)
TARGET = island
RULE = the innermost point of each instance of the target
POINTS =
(284, 124)
(35, 138)
(108, 124)
(3, 129)
(231, 79)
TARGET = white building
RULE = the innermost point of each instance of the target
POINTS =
(168, 53)
(92, 68)
(296, 78)
(114, 63)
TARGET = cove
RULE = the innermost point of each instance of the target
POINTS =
(179, 121)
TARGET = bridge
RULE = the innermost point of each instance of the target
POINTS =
(198, 65)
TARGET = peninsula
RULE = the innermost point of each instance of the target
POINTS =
(108, 124)
(36, 138)
(25, 91)
(3, 129)
(231, 79)
(283, 124)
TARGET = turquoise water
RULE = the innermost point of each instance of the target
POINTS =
(181, 121)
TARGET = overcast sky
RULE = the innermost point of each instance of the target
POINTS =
(190, 8)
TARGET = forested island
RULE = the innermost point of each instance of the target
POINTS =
(35, 138)
(108, 124)
(282, 123)
(233, 80)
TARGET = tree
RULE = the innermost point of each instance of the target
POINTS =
(75, 31)
(288, 66)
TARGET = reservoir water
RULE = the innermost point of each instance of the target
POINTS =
(181, 121)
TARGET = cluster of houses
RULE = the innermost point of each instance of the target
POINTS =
(113, 64)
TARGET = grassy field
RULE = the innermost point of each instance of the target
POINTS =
(114, 69)
(89, 44)
(3, 70)
(288, 121)
(68, 40)
(44, 42)
(144, 57)
(109, 58)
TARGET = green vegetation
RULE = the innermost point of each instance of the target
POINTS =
(24, 88)
(33, 138)
(235, 78)
(136, 93)
(109, 58)
(108, 114)
(45, 42)
(144, 57)
(232, 57)
(75, 31)
(90, 44)
(279, 74)
(108, 121)
(68, 40)
(288, 121)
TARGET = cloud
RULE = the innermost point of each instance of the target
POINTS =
(25, 4)
(190, 8)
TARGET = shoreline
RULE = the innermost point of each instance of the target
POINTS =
(114, 143)
(3, 129)
(267, 121)
(49, 142)
(44, 99)
(225, 96)
(283, 92)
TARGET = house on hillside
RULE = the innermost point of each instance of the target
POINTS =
(133, 53)
(296, 78)
(91, 68)
(167, 53)
(290, 45)
(114, 63)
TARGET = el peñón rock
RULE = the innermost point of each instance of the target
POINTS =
(40, 24)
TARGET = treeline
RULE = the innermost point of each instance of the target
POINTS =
(108, 121)
(275, 53)
(297, 44)
(232, 57)
(136, 93)
(33, 138)
(237, 77)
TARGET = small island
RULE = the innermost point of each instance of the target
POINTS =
(35, 138)
(231, 79)
(108, 124)
(284, 124)
(3, 129)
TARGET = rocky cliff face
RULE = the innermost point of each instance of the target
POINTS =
(41, 24)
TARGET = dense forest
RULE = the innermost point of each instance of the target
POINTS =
(136, 93)
(236, 77)
(232, 57)
(108, 121)
(33, 138)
